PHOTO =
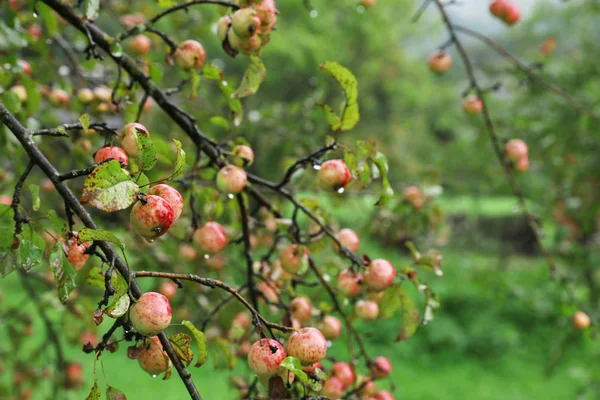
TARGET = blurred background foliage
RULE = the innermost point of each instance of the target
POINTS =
(503, 330)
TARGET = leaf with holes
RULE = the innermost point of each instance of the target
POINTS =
(118, 306)
(64, 273)
(200, 340)
(350, 114)
(29, 254)
(253, 77)
(179, 161)
(109, 188)
(182, 346)
(87, 234)
(147, 154)
(409, 315)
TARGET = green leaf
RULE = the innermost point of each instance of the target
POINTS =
(220, 122)
(147, 154)
(212, 72)
(118, 306)
(115, 394)
(50, 20)
(9, 261)
(95, 393)
(350, 160)
(56, 223)
(10, 39)
(382, 165)
(196, 78)
(253, 77)
(34, 97)
(116, 49)
(332, 118)
(179, 161)
(91, 8)
(85, 121)
(35, 196)
(350, 114)
(225, 348)
(294, 365)
(165, 3)
(200, 340)
(30, 255)
(87, 234)
(109, 188)
(143, 182)
(156, 73)
(364, 173)
(64, 273)
(182, 346)
(11, 101)
(366, 148)
(409, 315)
(390, 302)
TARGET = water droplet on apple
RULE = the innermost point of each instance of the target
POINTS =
(230, 196)
(150, 240)
(340, 190)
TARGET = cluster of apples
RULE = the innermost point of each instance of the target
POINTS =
(248, 29)
(517, 152)
(506, 10)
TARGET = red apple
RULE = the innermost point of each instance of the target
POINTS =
(440, 61)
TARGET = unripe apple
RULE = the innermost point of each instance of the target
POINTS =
(168, 289)
(269, 291)
(367, 3)
(308, 345)
(59, 97)
(498, 8)
(366, 310)
(344, 372)
(333, 388)
(190, 55)
(349, 282)
(151, 314)
(512, 14)
(301, 309)
(140, 44)
(73, 375)
(369, 388)
(131, 20)
(231, 179)
(265, 357)
(380, 275)
(152, 217)
(76, 252)
(20, 91)
(187, 252)
(128, 137)
(223, 27)
(85, 95)
(245, 22)
(523, 164)
(153, 359)
(331, 327)
(103, 94)
(171, 195)
(334, 174)
(244, 156)
(242, 319)
(267, 12)
(413, 195)
(292, 258)
(581, 320)
(244, 349)
(102, 108)
(349, 239)
(210, 238)
(516, 149)
(472, 105)
(25, 66)
(115, 153)
(440, 61)
(88, 337)
(215, 262)
(381, 367)
(244, 45)
(383, 395)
